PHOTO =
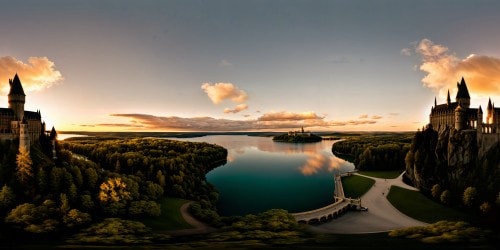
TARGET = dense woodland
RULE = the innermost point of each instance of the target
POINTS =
(46, 197)
(374, 152)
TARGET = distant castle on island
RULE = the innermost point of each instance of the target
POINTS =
(300, 132)
(461, 117)
(19, 124)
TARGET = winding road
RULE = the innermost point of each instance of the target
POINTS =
(198, 226)
(380, 217)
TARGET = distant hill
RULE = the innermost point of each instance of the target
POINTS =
(298, 138)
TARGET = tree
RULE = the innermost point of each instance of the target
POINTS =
(153, 190)
(470, 196)
(24, 169)
(114, 190)
(92, 177)
(73, 193)
(6, 198)
(41, 179)
(76, 218)
(485, 207)
(445, 197)
(87, 203)
(64, 203)
(436, 191)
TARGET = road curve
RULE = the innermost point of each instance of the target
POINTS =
(198, 226)
(380, 217)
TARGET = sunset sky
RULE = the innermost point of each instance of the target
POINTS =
(247, 65)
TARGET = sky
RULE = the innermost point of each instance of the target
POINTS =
(247, 65)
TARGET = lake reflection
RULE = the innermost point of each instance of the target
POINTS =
(261, 174)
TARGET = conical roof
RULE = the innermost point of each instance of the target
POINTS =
(15, 86)
(463, 92)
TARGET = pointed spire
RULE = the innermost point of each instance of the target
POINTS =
(448, 99)
(53, 132)
(463, 92)
(489, 104)
(435, 102)
(480, 110)
(16, 88)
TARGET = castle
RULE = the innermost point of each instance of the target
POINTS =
(17, 123)
(461, 117)
(301, 131)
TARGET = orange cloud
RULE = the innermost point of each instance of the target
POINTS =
(37, 74)
(289, 116)
(219, 92)
(237, 109)
(363, 116)
(444, 69)
(266, 121)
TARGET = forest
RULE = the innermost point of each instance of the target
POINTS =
(94, 179)
(377, 152)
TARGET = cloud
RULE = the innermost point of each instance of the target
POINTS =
(266, 121)
(289, 116)
(366, 116)
(406, 51)
(237, 109)
(39, 73)
(443, 69)
(225, 63)
(393, 114)
(219, 92)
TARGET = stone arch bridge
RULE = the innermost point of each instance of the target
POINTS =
(340, 205)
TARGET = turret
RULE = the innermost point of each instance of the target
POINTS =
(463, 94)
(435, 102)
(16, 98)
(24, 140)
(489, 114)
(460, 117)
(448, 99)
(53, 138)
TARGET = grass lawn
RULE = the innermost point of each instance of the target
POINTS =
(390, 174)
(418, 206)
(356, 186)
(170, 218)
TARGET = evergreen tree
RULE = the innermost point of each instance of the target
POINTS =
(24, 166)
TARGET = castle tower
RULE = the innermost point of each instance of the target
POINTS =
(460, 117)
(24, 139)
(448, 99)
(53, 138)
(479, 121)
(489, 114)
(16, 98)
(463, 94)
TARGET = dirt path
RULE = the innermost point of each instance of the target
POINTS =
(198, 226)
(381, 215)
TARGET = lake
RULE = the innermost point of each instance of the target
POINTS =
(261, 174)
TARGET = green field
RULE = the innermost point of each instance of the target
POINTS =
(170, 218)
(418, 206)
(356, 186)
(391, 174)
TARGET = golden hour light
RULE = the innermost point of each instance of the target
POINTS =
(229, 124)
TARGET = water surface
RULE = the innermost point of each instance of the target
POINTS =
(261, 174)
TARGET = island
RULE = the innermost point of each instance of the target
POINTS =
(300, 136)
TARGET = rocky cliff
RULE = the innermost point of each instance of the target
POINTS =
(452, 159)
